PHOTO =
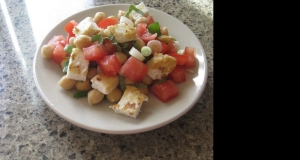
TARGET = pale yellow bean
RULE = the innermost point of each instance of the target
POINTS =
(71, 41)
(83, 85)
(115, 95)
(144, 90)
(92, 73)
(121, 13)
(164, 31)
(99, 16)
(47, 51)
(82, 41)
(121, 57)
(141, 20)
(140, 43)
(165, 38)
(128, 81)
(95, 97)
(147, 80)
(66, 83)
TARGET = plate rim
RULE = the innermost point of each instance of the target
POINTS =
(129, 131)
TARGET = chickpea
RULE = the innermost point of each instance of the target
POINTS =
(140, 43)
(83, 85)
(164, 31)
(66, 83)
(147, 80)
(141, 20)
(62, 63)
(71, 41)
(121, 13)
(121, 57)
(92, 73)
(94, 96)
(165, 38)
(128, 81)
(144, 90)
(115, 95)
(99, 16)
(82, 41)
(47, 51)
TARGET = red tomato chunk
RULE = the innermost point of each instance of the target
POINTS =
(133, 69)
(180, 58)
(107, 22)
(94, 52)
(177, 75)
(110, 65)
(59, 53)
(190, 52)
(57, 39)
(165, 91)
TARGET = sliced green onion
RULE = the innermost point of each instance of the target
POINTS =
(155, 46)
(98, 38)
(133, 8)
(154, 28)
(65, 69)
(146, 51)
(136, 53)
(80, 94)
(68, 49)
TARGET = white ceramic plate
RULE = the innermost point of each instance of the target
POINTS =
(100, 118)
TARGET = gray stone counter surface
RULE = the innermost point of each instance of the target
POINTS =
(30, 130)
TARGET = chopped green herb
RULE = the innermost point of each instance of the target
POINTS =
(113, 39)
(139, 85)
(68, 49)
(133, 8)
(148, 58)
(160, 81)
(119, 49)
(80, 94)
(98, 38)
(65, 69)
(122, 83)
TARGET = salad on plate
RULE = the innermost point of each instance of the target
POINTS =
(120, 58)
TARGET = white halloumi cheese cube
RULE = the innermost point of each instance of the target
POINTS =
(86, 27)
(105, 84)
(160, 65)
(122, 32)
(78, 66)
(130, 103)
(134, 15)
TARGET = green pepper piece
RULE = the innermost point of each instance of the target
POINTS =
(154, 28)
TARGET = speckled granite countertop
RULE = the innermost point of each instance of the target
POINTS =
(29, 129)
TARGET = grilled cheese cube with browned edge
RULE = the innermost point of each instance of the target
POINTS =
(86, 27)
(130, 103)
(160, 66)
(105, 84)
(78, 66)
(134, 15)
(122, 32)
